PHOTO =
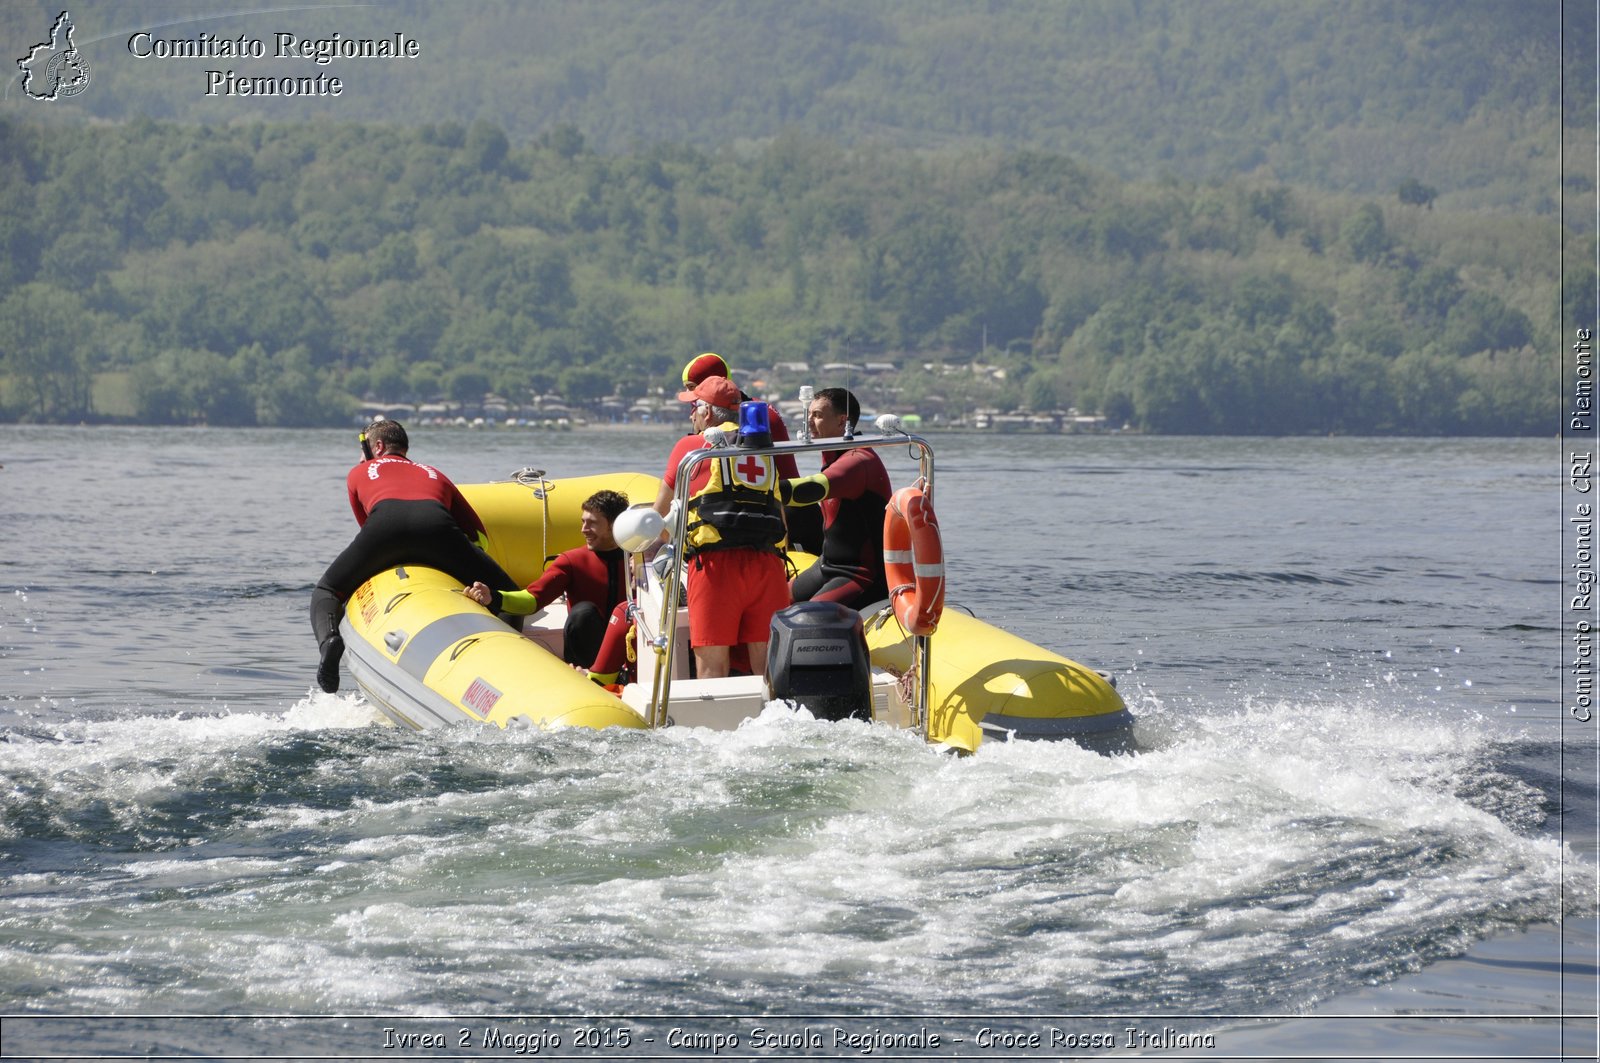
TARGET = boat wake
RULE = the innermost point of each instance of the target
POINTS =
(1265, 858)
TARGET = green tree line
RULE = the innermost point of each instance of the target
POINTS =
(1471, 97)
(275, 274)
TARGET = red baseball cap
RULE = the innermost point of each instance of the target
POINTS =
(703, 366)
(717, 390)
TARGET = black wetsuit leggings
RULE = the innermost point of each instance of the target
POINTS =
(401, 532)
(824, 583)
(583, 633)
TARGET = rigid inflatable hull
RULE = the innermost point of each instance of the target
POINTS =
(426, 655)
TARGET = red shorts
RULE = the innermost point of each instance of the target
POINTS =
(732, 596)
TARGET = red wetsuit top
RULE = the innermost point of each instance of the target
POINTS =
(852, 514)
(682, 449)
(583, 575)
(393, 476)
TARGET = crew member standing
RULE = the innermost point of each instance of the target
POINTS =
(409, 513)
(805, 522)
(734, 531)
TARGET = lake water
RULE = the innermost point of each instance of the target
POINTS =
(1358, 823)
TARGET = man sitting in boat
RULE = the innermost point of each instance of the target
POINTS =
(410, 514)
(805, 523)
(592, 576)
(853, 491)
(735, 571)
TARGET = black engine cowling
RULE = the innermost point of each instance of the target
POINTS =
(817, 657)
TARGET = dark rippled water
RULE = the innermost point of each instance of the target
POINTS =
(1356, 809)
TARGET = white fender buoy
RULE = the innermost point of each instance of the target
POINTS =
(637, 527)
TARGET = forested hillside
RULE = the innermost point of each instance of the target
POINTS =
(1228, 216)
(1354, 96)
(275, 273)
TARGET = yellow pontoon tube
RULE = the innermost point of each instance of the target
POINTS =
(427, 655)
(987, 682)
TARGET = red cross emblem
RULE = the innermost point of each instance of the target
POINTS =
(750, 470)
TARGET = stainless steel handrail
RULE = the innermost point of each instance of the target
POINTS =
(667, 632)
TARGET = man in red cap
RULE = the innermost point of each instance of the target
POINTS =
(734, 571)
(702, 366)
(805, 522)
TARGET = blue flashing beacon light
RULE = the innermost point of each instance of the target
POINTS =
(755, 430)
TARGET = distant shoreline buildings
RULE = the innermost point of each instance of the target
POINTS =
(874, 383)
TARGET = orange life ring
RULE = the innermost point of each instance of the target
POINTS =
(913, 561)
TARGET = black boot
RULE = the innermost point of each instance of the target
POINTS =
(328, 669)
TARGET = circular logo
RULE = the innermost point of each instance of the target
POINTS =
(67, 74)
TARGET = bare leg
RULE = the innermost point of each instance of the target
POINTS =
(758, 657)
(711, 662)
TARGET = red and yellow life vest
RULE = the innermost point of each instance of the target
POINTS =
(738, 505)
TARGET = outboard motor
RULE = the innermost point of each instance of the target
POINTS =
(817, 657)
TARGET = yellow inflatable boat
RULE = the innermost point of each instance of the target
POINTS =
(427, 655)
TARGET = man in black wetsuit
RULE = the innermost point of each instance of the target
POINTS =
(409, 513)
(853, 491)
